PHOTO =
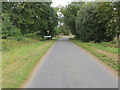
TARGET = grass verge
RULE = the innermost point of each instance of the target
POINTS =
(106, 46)
(101, 53)
(20, 58)
(0, 70)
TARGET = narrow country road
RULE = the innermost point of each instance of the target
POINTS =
(67, 66)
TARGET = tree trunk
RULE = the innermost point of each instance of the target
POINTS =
(118, 36)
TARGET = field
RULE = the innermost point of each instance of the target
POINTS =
(106, 52)
(19, 59)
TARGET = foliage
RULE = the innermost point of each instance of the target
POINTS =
(86, 22)
(113, 27)
(8, 29)
(70, 13)
(93, 21)
(30, 17)
(62, 29)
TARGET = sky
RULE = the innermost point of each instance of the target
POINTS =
(60, 2)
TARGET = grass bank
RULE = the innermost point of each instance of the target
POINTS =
(0, 70)
(107, 54)
(19, 58)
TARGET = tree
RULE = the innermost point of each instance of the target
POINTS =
(113, 27)
(93, 21)
(32, 17)
(70, 13)
(62, 29)
(86, 22)
(8, 29)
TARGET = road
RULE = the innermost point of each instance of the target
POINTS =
(68, 66)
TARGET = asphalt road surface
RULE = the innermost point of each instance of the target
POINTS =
(67, 66)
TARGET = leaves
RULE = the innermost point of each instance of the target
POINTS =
(31, 17)
(93, 21)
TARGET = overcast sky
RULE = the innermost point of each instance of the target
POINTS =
(60, 2)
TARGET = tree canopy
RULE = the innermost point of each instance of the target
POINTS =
(28, 17)
(93, 21)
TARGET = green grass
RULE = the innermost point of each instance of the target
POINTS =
(0, 70)
(104, 47)
(19, 59)
(101, 56)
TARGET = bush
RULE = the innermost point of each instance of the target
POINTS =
(19, 38)
(31, 35)
(8, 29)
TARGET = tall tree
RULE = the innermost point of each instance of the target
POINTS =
(113, 25)
(70, 13)
(32, 17)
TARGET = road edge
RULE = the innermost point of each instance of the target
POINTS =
(36, 68)
(96, 58)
